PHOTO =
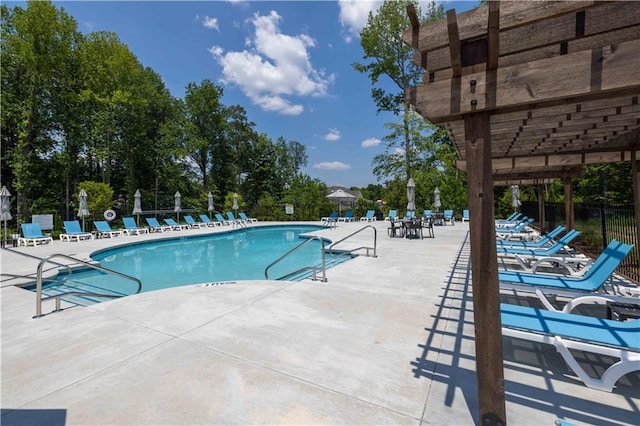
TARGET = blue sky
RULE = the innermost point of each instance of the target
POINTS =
(288, 63)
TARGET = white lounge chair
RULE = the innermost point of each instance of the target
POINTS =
(72, 231)
(568, 332)
(32, 234)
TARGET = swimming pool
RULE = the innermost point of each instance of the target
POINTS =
(237, 255)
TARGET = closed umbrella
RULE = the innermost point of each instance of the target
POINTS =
(210, 199)
(515, 197)
(339, 196)
(176, 207)
(137, 206)
(5, 207)
(436, 199)
(83, 209)
(411, 195)
(235, 202)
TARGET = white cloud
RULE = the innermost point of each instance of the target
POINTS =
(211, 23)
(371, 142)
(354, 14)
(332, 165)
(399, 151)
(274, 67)
(333, 135)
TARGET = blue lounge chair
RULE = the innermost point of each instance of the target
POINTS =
(175, 226)
(592, 281)
(234, 221)
(348, 216)
(105, 231)
(465, 215)
(369, 217)
(568, 332)
(130, 227)
(32, 234)
(448, 217)
(192, 223)
(205, 219)
(541, 251)
(331, 219)
(393, 215)
(511, 219)
(154, 225)
(244, 217)
(541, 242)
(518, 231)
(221, 219)
(72, 231)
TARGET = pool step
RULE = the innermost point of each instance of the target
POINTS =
(65, 285)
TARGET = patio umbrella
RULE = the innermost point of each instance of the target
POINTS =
(411, 195)
(436, 199)
(515, 197)
(137, 205)
(83, 209)
(5, 207)
(235, 202)
(176, 206)
(210, 199)
(339, 196)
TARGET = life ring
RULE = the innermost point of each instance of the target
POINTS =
(109, 215)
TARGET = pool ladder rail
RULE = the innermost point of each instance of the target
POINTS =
(323, 269)
(57, 297)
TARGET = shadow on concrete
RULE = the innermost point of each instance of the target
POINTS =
(21, 417)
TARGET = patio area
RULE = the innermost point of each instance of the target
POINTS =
(387, 340)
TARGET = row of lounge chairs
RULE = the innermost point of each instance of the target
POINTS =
(561, 327)
(32, 232)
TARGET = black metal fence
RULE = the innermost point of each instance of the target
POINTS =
(598, 226)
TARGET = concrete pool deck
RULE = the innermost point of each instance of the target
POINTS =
(387, 340)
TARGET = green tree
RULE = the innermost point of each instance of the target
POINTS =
(307, 195)
(388, 55)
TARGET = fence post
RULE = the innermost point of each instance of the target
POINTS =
(603, 226)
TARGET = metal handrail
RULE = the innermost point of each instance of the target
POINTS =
(313, 268)
(375, 241)
(57, 297)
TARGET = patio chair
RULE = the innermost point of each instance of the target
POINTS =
(72, 231)
(448, 217)
(247, 219)
(331, 219)
(518, 231)
(175, 226)
(393, 215)
(210, 223)
(369, 217)
(465, 215)
(192, 223)
(541, 242)
(155, 226)
(591, 282)
(105, 231)
(512, 218)
(396, 229)
(512, 225)
(235, 221)
(348, 216)
(32, 234)
(567, 332)
(221, 219)
(130, 227)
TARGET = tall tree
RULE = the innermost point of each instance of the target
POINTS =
(388, 55)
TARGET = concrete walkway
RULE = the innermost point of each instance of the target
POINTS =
(387, 340)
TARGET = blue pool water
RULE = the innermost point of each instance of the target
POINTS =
(238, 255)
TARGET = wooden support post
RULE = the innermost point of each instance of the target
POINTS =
(541, 212)
(484, 264)
(568, 203)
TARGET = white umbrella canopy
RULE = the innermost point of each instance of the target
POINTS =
(235, 202)
(411, 195)
(515, 197)
(339, 196)
(83, 209)
(210, 202)
(436, 199)
(176, 207)
(137, 205)
(5, 207)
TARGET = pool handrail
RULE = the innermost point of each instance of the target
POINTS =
(375, 241)
(57, 297)
(306, 268)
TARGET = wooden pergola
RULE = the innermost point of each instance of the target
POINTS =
(528, 91)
